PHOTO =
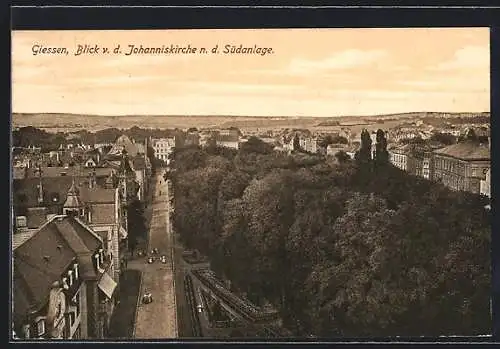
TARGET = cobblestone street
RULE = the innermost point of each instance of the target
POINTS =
(157, 319)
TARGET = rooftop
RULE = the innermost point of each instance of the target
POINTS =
(38, 263)
(55, 190)
(42, 257)
(60, 171)
(124, 143)
(466, 151)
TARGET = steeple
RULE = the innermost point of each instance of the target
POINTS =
(72, 198)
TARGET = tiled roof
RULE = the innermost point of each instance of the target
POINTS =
(123, 142)
(20, 238)
(103, 214)
(97, 195)
(77, 171)
(70, 228)
(466, 151)
(38, 263)
(26, 191)
(55, 192)
(36, 217)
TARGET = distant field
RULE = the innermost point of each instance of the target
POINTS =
(70, 122)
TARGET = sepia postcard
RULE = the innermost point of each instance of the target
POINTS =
(265, 184)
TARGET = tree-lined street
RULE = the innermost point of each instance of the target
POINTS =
(159, 318)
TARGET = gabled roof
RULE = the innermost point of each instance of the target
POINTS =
(38, 263)
(467, 150)
(42, 258)
(124, 143)
(79, 238)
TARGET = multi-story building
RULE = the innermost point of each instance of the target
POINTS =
(136, 159)
(192, 139)
(229, 138)
(62, 288)
(100, 207)
(48, 294)
(428, 165)
(462, 166)
(309, 144)
(163, 147)
(399, 158)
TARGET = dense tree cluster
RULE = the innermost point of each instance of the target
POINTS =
(339, 250)
(31, 136)
(331, 139)
(444, 138)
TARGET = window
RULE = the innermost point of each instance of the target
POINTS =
(40, 327)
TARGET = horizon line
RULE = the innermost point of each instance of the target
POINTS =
(247, 116)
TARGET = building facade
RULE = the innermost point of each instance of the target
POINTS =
(62, 288)
(399, 158)
(485, 184)
(163, 147)
(462, 166)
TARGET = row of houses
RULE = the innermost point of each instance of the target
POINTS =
(70, 233)
(93, 161)
(463, 166)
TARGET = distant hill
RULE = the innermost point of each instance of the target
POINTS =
(63, 122)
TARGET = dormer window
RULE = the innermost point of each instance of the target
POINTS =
(65, 283)
(101, 255)
(40, 326)
(75, 269)
(70, 275)
(97, 259)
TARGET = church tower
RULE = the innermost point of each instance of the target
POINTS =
(73, 204)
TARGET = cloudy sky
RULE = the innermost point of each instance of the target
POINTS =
(312, 72)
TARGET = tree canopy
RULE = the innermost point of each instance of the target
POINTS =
(337, 248)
